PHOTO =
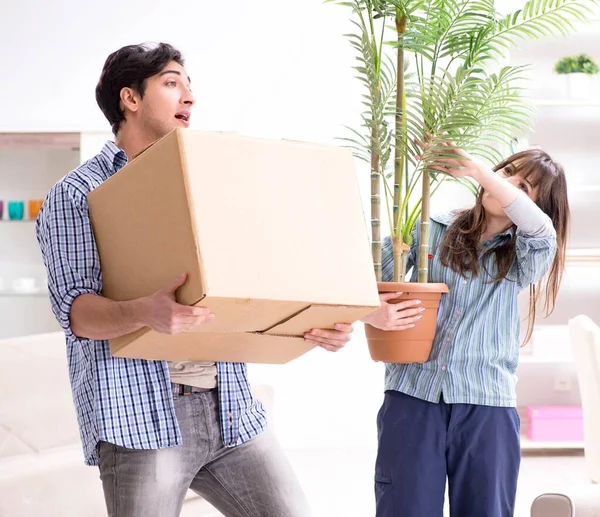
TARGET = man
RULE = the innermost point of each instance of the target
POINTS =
(154, 428)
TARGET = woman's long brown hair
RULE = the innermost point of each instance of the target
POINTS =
(459, 249)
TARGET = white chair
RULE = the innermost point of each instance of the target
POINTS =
(581, 501)
(585, 342)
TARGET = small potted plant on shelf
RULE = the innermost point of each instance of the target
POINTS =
(431, 72)
(579, 72)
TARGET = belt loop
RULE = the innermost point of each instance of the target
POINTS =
(185, 390)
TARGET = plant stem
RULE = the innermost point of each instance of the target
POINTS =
(375, 145)
(423, 260)
(400, 255)
(399, 150)
(375, 199)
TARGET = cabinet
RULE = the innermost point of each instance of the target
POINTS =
(30, 163)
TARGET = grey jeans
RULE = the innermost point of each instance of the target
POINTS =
(251, 480)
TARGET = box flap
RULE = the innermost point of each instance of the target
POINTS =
(246, 315)
(318, 317)
(149, 196)
(234, 347)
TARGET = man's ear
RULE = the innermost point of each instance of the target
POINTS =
(130, 99)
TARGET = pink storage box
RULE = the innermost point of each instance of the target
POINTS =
(555, 423)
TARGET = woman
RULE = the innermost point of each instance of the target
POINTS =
(454, 417)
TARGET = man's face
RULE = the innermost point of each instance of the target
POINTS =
(167, 102)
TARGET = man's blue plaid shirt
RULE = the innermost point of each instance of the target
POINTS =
(127, 402)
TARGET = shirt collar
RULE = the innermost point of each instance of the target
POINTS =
(446, 218)
(113, 156)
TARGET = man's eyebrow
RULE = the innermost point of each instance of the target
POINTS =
(164, 72)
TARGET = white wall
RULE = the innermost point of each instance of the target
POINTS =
(265, 67)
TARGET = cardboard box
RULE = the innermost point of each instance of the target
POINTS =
(271, 233)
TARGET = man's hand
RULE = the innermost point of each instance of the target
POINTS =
(394, 316)
(332, 340)
(163, 314)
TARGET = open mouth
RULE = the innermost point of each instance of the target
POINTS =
(182, 115)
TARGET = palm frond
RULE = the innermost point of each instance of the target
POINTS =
(541, 18)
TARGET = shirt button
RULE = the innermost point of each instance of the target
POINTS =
(465, 281)
(444, 368)
(448, 340)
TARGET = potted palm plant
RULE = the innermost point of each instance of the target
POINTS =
(432, 71)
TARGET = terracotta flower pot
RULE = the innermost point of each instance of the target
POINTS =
(413, 345)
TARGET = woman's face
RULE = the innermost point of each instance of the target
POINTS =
(511, 174)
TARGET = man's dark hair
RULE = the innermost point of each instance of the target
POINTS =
(130, 67)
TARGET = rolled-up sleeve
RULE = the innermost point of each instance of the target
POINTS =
(69, 251)
(534, 256)
(535, 240)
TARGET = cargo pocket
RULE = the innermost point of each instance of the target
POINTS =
(384, 496)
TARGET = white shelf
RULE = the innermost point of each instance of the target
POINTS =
(540, 359)
(582, 252)
(43, 140)
(583, 256)
(568, 103)
(584, 188)
(528, 445)
(19, 294)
